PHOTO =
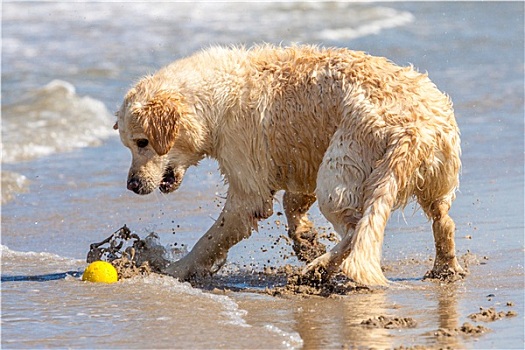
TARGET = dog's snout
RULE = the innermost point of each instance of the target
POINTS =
(134, 185)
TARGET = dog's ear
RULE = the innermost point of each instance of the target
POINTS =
(159, 118)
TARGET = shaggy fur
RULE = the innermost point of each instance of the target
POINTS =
(357, 132)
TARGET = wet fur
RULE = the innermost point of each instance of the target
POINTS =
(357, 132)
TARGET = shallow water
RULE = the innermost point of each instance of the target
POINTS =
(61, 193)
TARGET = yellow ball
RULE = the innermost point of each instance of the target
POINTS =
(100, 271)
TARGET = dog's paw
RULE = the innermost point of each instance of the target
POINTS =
(182, 270)
(174, 270)
(446, 273)
(320, 269)
(307, 246)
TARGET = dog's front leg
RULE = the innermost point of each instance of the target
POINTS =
(234, 224)
(209, 253)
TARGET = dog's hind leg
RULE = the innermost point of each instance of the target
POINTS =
(435, 192)
(436, 206)
(359, 181)
(357, 200)
(446, 265)
(358, 254)
(363, 263)
(300, 229)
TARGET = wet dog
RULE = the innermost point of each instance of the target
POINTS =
(355, 132)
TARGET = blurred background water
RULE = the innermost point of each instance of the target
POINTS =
(66, 67)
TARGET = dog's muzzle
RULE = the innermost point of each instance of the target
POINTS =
(171, 180)
(135, 185)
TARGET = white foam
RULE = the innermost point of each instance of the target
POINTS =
(52, 119)
(6, 252)
(17, 262)
(231, 311)
(389, 18)
(291, 340)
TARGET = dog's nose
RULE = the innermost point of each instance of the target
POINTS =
(133, 185)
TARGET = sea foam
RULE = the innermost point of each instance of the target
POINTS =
(52, 119)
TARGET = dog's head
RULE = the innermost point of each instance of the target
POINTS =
(156, 125)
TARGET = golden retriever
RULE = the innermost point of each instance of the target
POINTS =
(355, 132)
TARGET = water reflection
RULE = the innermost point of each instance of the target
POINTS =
(336, 322)
(448, 315)
(329, 323)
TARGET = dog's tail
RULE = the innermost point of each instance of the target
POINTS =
(385, 189)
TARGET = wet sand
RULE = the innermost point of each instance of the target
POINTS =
(254, 283)
(370, 318)
(409, 314)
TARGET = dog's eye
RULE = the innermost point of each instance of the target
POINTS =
(141, 143)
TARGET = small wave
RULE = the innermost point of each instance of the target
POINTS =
(6, 252)
(291, 340)
(231, 311)
(382, 18)
(52, 119)
(36, 263)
